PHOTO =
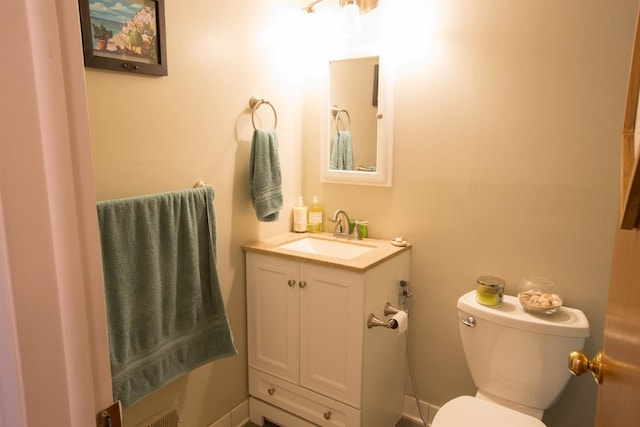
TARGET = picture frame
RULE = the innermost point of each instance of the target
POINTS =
(124, 35)
(374, 98)
(630, 152)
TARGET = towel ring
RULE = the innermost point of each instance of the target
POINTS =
(255, 102)
(335, 112)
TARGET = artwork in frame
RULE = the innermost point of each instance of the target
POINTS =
(630, 195)
(124, 35)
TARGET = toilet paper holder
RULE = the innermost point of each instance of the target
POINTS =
(389, 310)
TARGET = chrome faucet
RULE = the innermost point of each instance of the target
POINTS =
(341, 230)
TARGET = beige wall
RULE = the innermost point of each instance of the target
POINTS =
(154, 134)
(508, 119)
(506, 158)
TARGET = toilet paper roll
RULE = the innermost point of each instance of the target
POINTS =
(403, 321)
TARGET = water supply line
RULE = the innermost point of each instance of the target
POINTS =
(405, 295)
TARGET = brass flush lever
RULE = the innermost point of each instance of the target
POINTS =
(579, 363)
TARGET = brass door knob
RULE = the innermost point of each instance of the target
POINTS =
(579, 363)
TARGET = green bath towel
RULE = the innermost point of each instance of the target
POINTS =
(165, 311)
(265, 181)
(342, 152)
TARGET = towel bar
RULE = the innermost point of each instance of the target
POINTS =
(255, 102)
(335, 112)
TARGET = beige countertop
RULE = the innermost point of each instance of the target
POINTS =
(381, 250)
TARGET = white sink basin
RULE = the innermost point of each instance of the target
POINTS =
(330, 248)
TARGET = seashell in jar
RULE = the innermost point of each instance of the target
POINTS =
(539, 301)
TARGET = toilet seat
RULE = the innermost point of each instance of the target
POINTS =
(468, 411)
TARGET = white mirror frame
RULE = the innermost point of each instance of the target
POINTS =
(383, 176)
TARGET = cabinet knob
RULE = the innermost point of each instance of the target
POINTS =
(327, 415)
(271, 390)
(302, 284)
(291, 283)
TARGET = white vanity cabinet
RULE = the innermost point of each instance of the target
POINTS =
(312, 359)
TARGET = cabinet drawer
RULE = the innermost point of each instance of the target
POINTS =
(311, 406)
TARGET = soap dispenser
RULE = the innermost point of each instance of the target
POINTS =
(300, 216)
(315, 216)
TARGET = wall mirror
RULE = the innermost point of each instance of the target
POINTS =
(357, 125)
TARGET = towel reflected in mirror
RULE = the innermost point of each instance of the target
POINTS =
(342, 152)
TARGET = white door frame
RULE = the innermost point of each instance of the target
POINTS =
(51, 290)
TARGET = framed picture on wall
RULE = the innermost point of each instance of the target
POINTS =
(630, 195)
(124, 35)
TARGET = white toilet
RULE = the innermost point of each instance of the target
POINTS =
(518, 362)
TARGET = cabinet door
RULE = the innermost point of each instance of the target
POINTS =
(272, 315)
(331, 325)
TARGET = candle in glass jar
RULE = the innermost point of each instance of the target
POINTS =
(489, 291)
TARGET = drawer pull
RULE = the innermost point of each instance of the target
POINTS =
(302, 284)
(271, 390)
(291, 283)
(327, 415)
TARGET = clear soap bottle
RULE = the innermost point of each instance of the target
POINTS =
(315, 216)
(300, 216)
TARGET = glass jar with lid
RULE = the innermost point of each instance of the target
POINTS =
(490, 290)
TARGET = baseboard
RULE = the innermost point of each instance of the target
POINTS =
(410, 410)
(240, 414)
(237, 417)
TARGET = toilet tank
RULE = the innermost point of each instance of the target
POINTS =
(517, 357)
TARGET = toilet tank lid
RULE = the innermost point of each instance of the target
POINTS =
(566, 322)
